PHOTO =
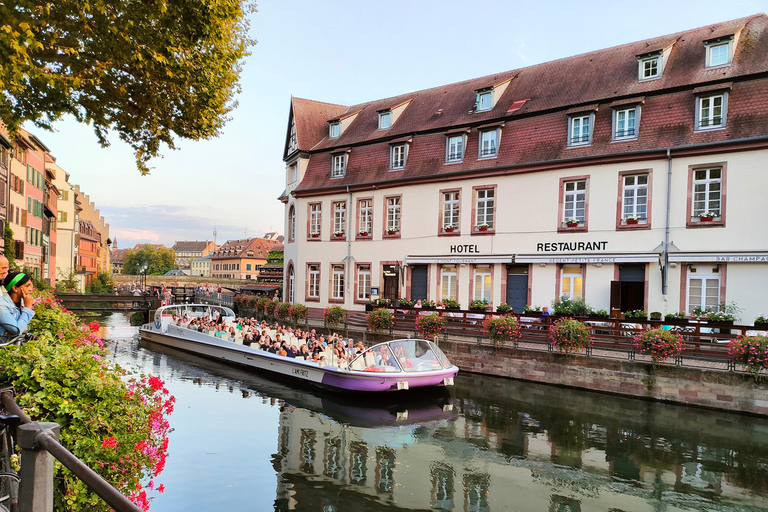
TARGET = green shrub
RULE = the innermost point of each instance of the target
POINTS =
(675, 316)
(283, 310)
(570, 335)
(429, 326)
(298, 312)
(428, 304)
(270, 307)
(261, 304)
(636, 313)
(530, 308)
(335, 316)
(478, 305)
(502, 328)
(405, 303)
(451, 304)
(504, 308)
(380, 320)
(659, 344)
(751, 351)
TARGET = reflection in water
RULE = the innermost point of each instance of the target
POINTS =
(494, 445)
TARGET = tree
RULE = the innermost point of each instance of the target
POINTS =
(158, 260)
(10, 248)
(101, 283)
(147, 70)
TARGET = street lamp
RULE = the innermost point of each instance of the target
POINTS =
(143, 277)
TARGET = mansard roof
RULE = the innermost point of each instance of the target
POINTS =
(259, 248)
(536, 101)
(311, 121)
(191, 246)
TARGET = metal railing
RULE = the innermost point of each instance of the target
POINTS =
(39, 445)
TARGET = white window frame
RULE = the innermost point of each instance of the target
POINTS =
(334, 130)
(577, 122)
(313, 290)
(705, 121)
(292, 222)
(451, 209)
(645, 64)
(632, 196)
(572, 196)
(708, 281)
(337, 282)
(711, 193)
(315, 218)
(492, 141)
(397, 155)
(339, 217)
(291, 284)
(363, 282)
(714, 46)
(571, 278)
(484, 101)
(393, 214)
(485, 207)
(448, 283)
(626, 133)
(483, 284)
(451, 157)
(366, 216)
(385, 120)
(339, 166)
(293, 173)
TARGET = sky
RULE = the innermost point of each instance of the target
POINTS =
(344, 52)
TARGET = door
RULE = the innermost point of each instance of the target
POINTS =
(517, 287)
(630, 293)
(390, 283)
(418, 282)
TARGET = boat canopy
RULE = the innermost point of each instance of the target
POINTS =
(165, 314)
(412, 356)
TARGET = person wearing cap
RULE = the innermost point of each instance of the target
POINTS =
(13, 318)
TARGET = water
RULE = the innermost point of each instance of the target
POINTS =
(241, 442)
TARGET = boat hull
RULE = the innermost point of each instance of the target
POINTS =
(297, 369)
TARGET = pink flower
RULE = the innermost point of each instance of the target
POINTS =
(161, 488)
(109, 442)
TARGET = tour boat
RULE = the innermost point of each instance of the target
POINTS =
(395, 365)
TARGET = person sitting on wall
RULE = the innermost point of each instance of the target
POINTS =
(16, 306)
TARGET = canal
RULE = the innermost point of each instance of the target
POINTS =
(241, 442)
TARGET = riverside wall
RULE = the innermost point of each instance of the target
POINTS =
(730, 391)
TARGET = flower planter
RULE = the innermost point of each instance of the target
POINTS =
(632, 222)
(761, 325)
(482, 229)
(448, 230)
(573, 225)
(364, 235)
(315, 235)
(706, 219)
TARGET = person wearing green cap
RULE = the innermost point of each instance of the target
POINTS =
(14, 318)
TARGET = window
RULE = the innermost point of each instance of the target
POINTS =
(337, 282)
(484, 100)
(397, 157)
(454, 151)
(483, 284)
(291, 223)
(572, 280)
(334, 130)
(488, 143)
(291, 284)
(707, 192)
(363, 282)
(62, 216)
(313, 281)
(484, 208)
(339, 166)
(385, 120)
(315, 219)
(247, 266)
(650, 67)
(703, 288)
(393, 215)
(710, 111)
(451, 205)
(365, 217)
(448, 283)
(635, 200)
(719, 53)
(575, 201)
(580, 130)
(339, 218)
(625, 123)
(293, 173)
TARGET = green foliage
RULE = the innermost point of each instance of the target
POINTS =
(451, 304)
(334, 316)
(504, 308)
(659, 344)
(67, 282)
(115, 426)
(428, 304)
(380, 320)
(478, 305)
(530, 308)
(275, 257)
(283, 310)
(429, 326)
(568, 306)
(10, 244)
(636, 313)
(270, 307)
(298, 312)
(261, 304)
(751, 351)
(655, 315)
(158, 260)
(569, 335)
(675, 316)
(151, 71)
(761, 319)
(405, 303)
(601, 313)
(101, 283)
(502, 328)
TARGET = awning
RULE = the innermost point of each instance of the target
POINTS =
(720, 257)
(618, 257)
(459, 259)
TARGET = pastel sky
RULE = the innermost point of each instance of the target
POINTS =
(345, 52)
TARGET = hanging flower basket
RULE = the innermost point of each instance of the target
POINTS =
(659, 344)
(569, 335)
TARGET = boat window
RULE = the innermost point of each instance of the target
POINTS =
(378, 358)
(418, 355)
(440, 355)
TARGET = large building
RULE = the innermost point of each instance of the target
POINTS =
(240, 259)
(186, 251)
(626, 177)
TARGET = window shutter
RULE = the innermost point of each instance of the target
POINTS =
(24, 218)
(19, 250)
(615, 299)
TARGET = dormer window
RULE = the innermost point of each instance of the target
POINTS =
(484, 100)
(650, 67)
(719, 52)
(334, 130)
(385, 120)
(339, 168)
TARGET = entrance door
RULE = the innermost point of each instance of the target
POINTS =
(418, 282)
(390, 283)
(517, 287)
(628, 293)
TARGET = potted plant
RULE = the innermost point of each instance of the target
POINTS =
(659, 344)
(405, 303)
(562, 306)
(338, 234)
(380, 320)
(675, 318)
(720, 317)
(314, 235)
(632, 220)
(637, 314)
(656, 315)
(451, 304)
(751, 351)
(429, 326)
(572, 222)
(369, 305)
(428, 304)
(599, 313)
(334, 316)
(483, 227)
(283, 310)
(569, 335)
(530, 308)
(298, 312)
(392, 231)
(364, 233)
(478, 305)
(706, 217)
(450, 229)
(504, 308)
(501, 328)
(761, 322)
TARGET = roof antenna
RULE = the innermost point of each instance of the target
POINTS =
(215, 232)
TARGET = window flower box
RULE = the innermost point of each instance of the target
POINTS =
(364, 234)
(632, 221)
(314, 235)
(707, 217)
(449, 229)
(392, 232)
(338, 235)
(483, 227)
(572, 222)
